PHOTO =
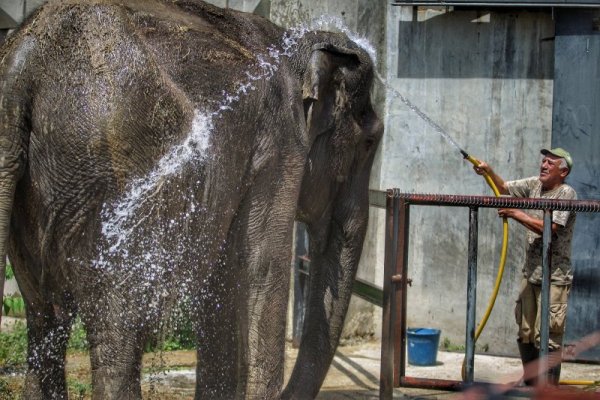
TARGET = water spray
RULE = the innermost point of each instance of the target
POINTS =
(492, 185)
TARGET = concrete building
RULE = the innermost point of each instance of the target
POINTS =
(503, 79)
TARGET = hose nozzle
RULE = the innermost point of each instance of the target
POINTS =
(469, 158)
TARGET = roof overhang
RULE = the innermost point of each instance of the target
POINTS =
(501, 3)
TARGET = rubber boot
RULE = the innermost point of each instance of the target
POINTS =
(528, 353)
(554, 372)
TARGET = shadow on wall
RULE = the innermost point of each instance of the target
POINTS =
(464, 43)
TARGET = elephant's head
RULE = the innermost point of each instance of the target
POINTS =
(333, 199)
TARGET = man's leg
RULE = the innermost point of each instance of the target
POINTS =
(559, 296)
(525, 316)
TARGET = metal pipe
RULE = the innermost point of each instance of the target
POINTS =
(428, 383)
(471, 296)
(401, 289)
(545, 316)
(497, 202)
(386, 377)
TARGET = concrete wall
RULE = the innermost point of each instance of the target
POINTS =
(486, 79)
(575, 126)
(12, 12)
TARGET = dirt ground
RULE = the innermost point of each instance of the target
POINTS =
(354, 374)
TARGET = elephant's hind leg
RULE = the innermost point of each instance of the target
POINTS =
(116, 348)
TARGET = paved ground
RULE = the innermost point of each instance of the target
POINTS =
(354, 373)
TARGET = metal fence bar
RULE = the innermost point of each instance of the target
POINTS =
(386, 379)
(367, 292)
(497, 202)
(471, 295)
(400, 284)
(544, 320)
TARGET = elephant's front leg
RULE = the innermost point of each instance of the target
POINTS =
(265, 259)
(265, 325)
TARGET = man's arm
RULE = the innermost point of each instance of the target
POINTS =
(484, 169)
(533, 224)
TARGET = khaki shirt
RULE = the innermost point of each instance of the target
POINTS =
(562, 271)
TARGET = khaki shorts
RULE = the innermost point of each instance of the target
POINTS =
(527, 313)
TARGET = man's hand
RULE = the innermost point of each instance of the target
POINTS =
(513, 213)
(483, 168)
(531, 223)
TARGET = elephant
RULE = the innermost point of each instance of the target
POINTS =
(153, 151)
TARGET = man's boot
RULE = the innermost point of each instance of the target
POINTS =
(528, 353)
(554, 372)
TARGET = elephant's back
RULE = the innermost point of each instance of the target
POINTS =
(119, 84)
(203, 50)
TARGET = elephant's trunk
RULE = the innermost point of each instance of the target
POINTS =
(333, 269)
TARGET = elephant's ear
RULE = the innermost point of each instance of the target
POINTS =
(323, 89)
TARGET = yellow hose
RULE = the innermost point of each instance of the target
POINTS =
(579, 382)
(501, 264)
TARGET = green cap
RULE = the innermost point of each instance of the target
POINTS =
(562, 153)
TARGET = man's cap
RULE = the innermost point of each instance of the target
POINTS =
(562, 153)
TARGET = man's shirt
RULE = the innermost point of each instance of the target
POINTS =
(562, 271)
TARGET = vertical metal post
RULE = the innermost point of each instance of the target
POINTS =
(471, 295)
(400, 287)
(545, 300)
(386, 378)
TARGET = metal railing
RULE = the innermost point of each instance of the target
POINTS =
(393, 337)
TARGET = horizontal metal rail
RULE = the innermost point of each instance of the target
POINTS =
(496, 202)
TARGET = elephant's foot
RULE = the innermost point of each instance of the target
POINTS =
(112, 383)
(45, 385)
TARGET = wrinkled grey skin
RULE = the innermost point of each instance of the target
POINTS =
(93, 94)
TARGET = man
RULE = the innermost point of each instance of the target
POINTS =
(556, 165)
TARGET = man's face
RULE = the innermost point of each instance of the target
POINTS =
(551, 174)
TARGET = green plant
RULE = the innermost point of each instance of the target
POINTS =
(78, 389)
(449, 346)
(9, 273)
(6, 392)
(178, 334)
(78, 339)
(14, 306)
(13, 346)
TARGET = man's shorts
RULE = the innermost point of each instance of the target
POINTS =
(528, 310)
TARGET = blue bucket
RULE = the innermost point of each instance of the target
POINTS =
(422, 345)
